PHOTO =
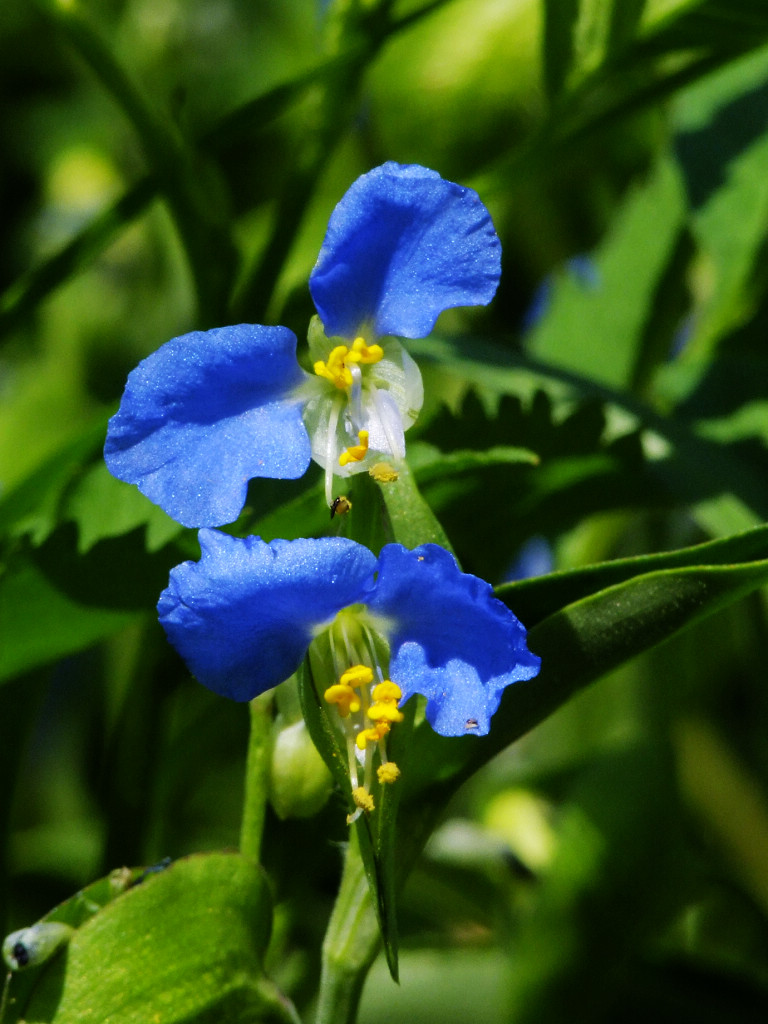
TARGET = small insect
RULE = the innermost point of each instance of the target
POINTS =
(31, 946)
(340, 506)
(152, 870)
(471, 723)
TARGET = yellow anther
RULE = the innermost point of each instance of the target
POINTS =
(385, 712)
(387, 690)
(384, 707)
(373, 735)
(383, 473)
(334, 370)
(388, 773)
(362, 353)
(344, 697)
(363, 798)
(357, 675)
(357, 452)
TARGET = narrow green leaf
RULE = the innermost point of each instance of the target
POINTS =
(412, 520)
(428, 463)
(626, 16)
(372, 841)
(31, 288)
(534, 599)
(560, 18)
(578, 644)
(190, 184)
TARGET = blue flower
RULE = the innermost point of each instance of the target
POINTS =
(244, 616)
(212, 409)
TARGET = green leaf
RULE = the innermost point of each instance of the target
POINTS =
(595, 326)
(534, 599)
(186, 945)
(39, 623)
(558, 42)
(191, 187)
(34, 506)
(55, 601)
(428, 463)
(104, 507)
(412, 520)
(375, 835)
(578, 644)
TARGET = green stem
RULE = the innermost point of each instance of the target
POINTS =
(351, 943)
(256, 776)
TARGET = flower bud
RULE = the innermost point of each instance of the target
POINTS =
(299, 782)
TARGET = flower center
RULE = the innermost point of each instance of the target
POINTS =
(367, 706)
(338, 368)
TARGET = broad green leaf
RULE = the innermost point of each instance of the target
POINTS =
(185, 945)
(34, 506)
(55, 601)
(39, 623)
(102, 507)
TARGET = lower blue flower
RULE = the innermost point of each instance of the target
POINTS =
(244, 616)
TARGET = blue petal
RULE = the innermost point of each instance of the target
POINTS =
(243, 616)
(204, 414)
(450, 638)
(402, 246)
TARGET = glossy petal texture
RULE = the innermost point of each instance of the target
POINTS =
(403, 245)
(204, 414)
(243, 616)
(450, 638)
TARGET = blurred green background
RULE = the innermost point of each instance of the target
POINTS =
(167, 165)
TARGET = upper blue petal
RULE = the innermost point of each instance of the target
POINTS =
(243, 616)
(402, 246)
(204, 414)
(450, 638)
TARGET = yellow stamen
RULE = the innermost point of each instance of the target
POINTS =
(357, 675)
(363, 798)
(383, 473)
(384, 707)
(387, 773)
(344, 697)
(334, 370)
(367, 736)
(386, 712)
(357, 452)
(387, 690)
(362, 353)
